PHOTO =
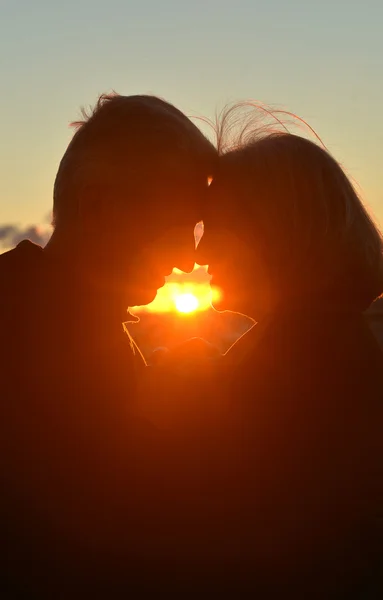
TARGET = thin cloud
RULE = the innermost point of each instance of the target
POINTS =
(11, 235)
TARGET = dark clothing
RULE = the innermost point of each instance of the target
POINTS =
(67, 435)
(279, 484)
(308, 403)
(374, 317)
(274, 488)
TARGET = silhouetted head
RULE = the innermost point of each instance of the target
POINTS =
(284, 225)
(128, 193)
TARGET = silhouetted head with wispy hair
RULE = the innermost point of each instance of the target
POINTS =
(285, 225)
(128, 193)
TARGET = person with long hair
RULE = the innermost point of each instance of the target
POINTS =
(291, 244)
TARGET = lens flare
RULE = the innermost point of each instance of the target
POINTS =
(186, 303)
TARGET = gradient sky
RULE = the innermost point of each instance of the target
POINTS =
(321, 60)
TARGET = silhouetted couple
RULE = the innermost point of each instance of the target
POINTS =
(275, 486)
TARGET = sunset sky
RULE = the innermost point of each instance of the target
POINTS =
(321, 60)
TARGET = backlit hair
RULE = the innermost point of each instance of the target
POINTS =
(127, 140)
(295, 202)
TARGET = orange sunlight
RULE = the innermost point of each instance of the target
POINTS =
(184, 293)
(186, 303)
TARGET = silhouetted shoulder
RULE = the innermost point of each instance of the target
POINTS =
(23, 252)
(18, 274)
(16, 267)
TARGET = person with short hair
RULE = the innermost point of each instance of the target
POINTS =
(132, 181)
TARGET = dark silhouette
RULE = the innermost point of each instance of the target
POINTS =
(374, 316)
(306, 383)
(131, 182)
(273, 468)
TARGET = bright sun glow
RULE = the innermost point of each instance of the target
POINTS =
(186, 303)
(183, 293)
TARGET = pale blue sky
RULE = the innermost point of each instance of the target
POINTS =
(321, 60)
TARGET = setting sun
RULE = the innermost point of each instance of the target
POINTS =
(183, 293)
(186, 303)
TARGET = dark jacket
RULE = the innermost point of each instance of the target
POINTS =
(66, 432)
(307, 392)
(279, 484)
